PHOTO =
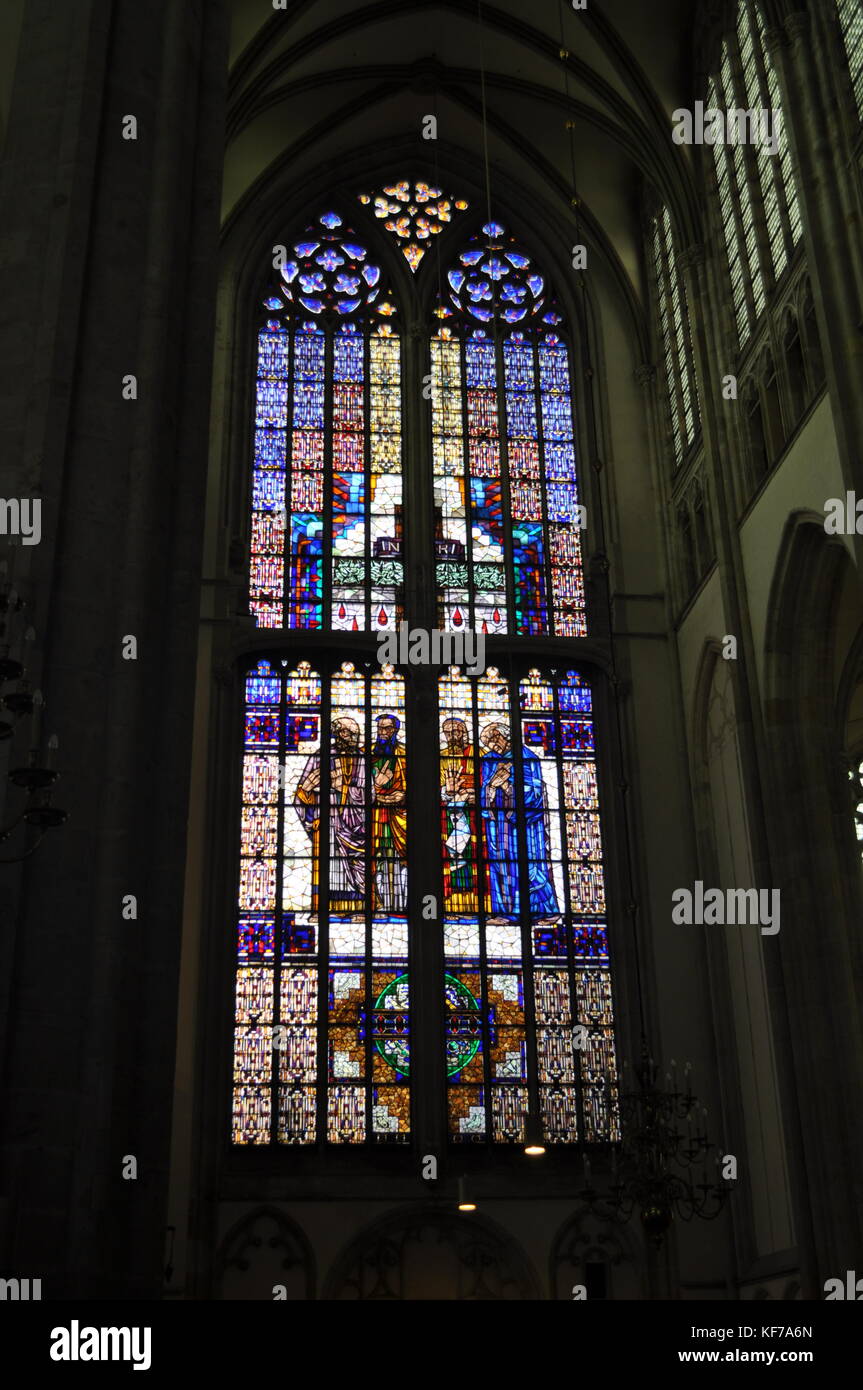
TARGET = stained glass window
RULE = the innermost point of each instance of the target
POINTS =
(323, 1049)
(322, 928)
(413, 212)
(525, 936)
(676, 343)
(747, 80)
(508, 518)
(326, 542)
(851, 21)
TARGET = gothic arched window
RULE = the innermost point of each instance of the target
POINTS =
(676, 341)
(414, 212)
(755, 172)
(527, 986)
(527, 983)
(322, 896)
(323, 927)
(507, 526)
(327, 942)
(851, 21)
(327, 501)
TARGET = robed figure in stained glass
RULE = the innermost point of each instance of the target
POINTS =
(497, 792)
(347, 817)
(458, 818)
(389, 817)
(543, 898)
(500, 825)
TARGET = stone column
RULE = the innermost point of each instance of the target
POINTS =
(709, 349)
(108, 265)
(830, 208)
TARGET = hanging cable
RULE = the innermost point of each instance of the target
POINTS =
(484, 115)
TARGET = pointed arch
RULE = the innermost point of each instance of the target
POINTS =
(754, 173)
(414, 211)
(851, 23)
(739, 988)
(819, 869)
(507, 509)
(326, 551)
(423, 1252)
(530, 1014)
(676, 342)
(599, 1254)
(265, 1247)
(322, 1018)
(322, 1052)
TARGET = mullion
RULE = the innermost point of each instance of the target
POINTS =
(764, 67)
(569, 917)
(550, 623)
(524, 913)
(327, 546)
(757, 201)
(275, 1053)
(732, 235)
(367, 479)
(288, 472)
(368, 760)
(503, 473)
(679, 323)
(676, 385)
(466, 469)
(737, 204)
(369, 910)
(483, 883)
(775, 164)
(467, 454)
(323, 910)
(663, 298)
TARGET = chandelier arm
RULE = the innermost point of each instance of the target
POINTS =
(17, 859)
(6, 830)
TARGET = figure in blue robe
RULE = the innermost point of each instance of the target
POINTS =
(497, 794)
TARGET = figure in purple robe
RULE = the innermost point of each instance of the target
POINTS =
(347, 817)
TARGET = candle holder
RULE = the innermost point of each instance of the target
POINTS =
(11, 605)
(19, 701)
(37, 776)
(33, 778)
(42, 814)
(37, 810)
(653, 1169)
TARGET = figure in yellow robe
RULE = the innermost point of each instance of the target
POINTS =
(389, 818)
(458, 818)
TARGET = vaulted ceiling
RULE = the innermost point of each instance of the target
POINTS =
(325, 82)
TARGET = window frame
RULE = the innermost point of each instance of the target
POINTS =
(588, 655)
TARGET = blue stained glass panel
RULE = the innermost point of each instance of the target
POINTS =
(575, 694)
(273, 354)
(562, 499)
(559, 461)
(535, 463)
(262, 690)
(262, 729)
(269, 448)
(556, 417)
(268, 490)
(272, 403)
(577, 735)
(256, 939)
